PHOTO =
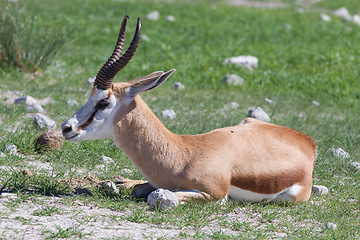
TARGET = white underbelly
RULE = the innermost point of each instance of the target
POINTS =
(287, 194)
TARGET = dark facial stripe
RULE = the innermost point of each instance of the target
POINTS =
(88, 122)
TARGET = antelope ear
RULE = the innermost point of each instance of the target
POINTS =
(151, 81)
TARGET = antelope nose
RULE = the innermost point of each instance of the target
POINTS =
(66, 129)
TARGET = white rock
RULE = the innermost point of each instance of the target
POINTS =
(91, 80)
(355, 165)
(8, 195)
(319, 190)
(72, 103)
(145, 38)
(356, 19)
(106, 159)
(126, 171)
(300, 10)
(259, 113)
(234, 105)
(179, 85)
(32, 103)
(339, 152)
(154, 15)
(269, 101)
(11, 149)
(330, 225)
(249, 62)
(2, 155)
(110, 187)
(168, 113)
(343, 13)
(162, 199)
(315, 103)
(44, 121)
(325, 17)
(233, 80)
(170, 18)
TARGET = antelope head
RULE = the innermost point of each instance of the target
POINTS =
(95, 119)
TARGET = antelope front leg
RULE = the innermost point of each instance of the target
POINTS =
(140, 188)
(191, 195)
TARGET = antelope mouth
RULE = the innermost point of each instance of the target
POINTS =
(72, 137)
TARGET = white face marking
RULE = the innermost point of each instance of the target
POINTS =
(90, 122)
(239, 194)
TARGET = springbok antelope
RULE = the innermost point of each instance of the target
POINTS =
(253, 162)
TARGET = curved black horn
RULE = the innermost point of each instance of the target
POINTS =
(116, 62)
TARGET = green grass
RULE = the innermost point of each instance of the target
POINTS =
(311, 60)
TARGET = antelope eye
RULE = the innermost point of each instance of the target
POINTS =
(102, 104)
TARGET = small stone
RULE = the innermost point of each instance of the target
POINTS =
(269, 101)
(325, 17)
(27, 173)
(44, 121)
(315, 103)
(300, 10)
(11, 149)
(234, 105)
(145, 38)
(32, 103)
(356, 19)
(162, 199)
(2, 155)
(49, 140)
(259, 113)
(110, 187)
(330, 225)
(170, 18)
(8, 195)
(319, 190)
(154, 15)
(179, 85)
(91, 80)
(106, 159)
(168, 113)
(72, 103)
(339, 152)
(248, 62)
(233, 80)
(126, 171)
(343, 13)
(356, 165)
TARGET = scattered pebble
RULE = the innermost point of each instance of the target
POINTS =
(356, 19)
(259, 113)
(162, 199)
(72, 103)
(91, 81)
(110, 187)
(325, 17)
(179, 85)
(8, 195)
(106, 159)
(330, 225)
(319, 190)
(11, 149)
(126, 171)
(168, 113)
(170, 18)
(339, 152)
(145, 38)
(233, 80)
(154, 15)
(44, 121)
(49, 140)
(27, 173)
(315, 103)
(234, 105)
(248, 62)
(300, 10)
(355, 165)
(2, 155)
(343, 13)
(269, 101)
(32, 103)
